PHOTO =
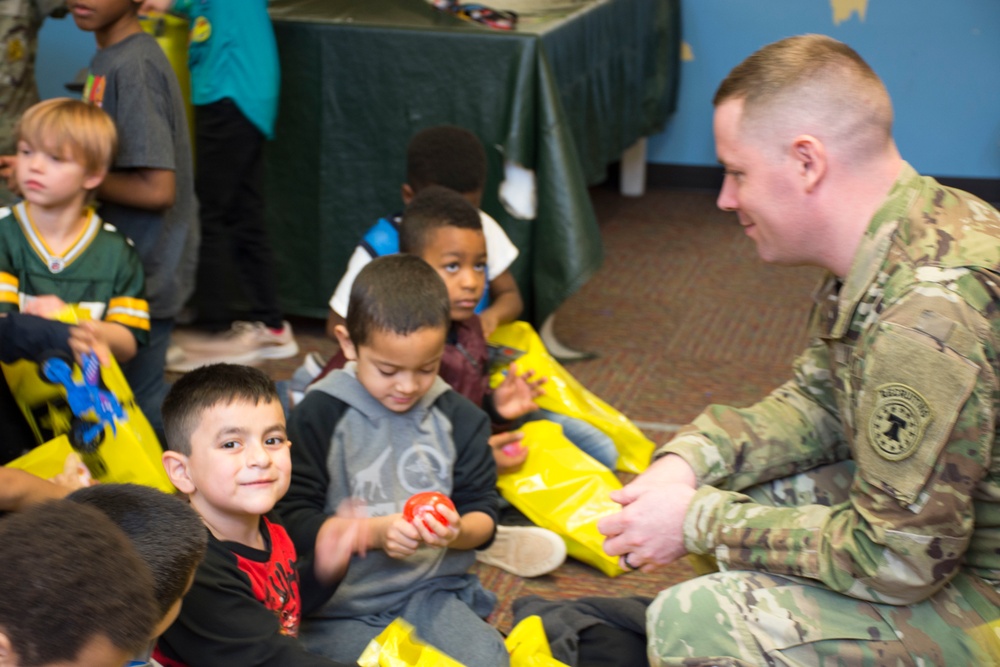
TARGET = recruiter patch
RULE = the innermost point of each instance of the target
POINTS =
(898, 421)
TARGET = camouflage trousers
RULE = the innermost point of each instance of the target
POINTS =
(755, 618)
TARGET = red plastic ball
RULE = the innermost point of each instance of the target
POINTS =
(423, 504)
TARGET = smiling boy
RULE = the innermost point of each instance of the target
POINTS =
(229, 453)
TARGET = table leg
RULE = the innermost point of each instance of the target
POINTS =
(632, 182)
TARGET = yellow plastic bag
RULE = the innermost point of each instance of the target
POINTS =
(528, 645)
(565, 490)
(130, 455)
(399, 646)
(565, 395)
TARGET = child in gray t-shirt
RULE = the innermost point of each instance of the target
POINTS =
(149, 193)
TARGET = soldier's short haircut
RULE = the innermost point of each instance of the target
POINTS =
(67, 127)
(817, 78)
(446, 155)
(399, 294)
(70, 576)
(433, 208)
(167, 534)
(204, 388)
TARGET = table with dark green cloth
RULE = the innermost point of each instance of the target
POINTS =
(563, 95)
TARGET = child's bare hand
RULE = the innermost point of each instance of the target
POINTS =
(508, 452)
(46, 305)
(84, 339)
(515, 396)
(341, 536)
(401, 538)
(75, 474)
(435, 533)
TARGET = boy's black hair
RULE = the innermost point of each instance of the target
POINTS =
(205, 387)
(399, 294)
(168, 535)
(69, 576)
(446, 155)
(433, 208)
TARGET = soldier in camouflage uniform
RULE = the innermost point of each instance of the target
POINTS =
(20, 21)
(855, 512)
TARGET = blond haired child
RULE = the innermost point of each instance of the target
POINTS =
(55, 251)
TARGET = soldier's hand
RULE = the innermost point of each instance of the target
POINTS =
(649, 530)
(670, 469)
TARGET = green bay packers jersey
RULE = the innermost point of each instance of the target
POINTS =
(99, 275)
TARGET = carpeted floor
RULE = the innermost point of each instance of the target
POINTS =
(682, 314)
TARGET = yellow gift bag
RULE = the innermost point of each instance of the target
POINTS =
(399, 646)
(128, 452)
(528, 645)
(561, 488)
(565, 395)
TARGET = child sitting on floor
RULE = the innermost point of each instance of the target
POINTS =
(96, 606)
(54, 249)
(167, 534)
(228, 452)
(383, 428)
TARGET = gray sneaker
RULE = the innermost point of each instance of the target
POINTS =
(245, 340)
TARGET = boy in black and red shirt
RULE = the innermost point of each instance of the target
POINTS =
(228, 452)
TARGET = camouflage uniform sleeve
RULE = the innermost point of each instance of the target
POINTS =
(797, 427)
(922, 392)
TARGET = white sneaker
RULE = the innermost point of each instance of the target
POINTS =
(527, 551)
(245, 340)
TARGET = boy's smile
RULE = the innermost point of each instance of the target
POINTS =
(459, 257)
(239, 464)
(397, 370)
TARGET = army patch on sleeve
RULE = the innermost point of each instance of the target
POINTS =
(898, 421)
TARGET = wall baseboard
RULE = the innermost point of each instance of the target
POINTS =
(693, 177)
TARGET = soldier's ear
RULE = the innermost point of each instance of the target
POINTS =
(810, 158)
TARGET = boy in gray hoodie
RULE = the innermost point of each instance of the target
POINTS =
(380, 430)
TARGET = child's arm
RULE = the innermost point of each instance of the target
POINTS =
(474, 475)
(145, 188)
(475, 528)
(117, 337)
(303, 508)
(505, 303)
(342, 294)
(18, 489)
